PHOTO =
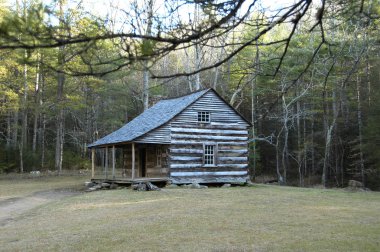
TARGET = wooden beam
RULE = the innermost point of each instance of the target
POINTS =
(209, 179)
(182, 158)
(209, 131)
(187, 151)
(174, 166)
(212, 125)
(106, 161)
(208, 137)
(240, 151)
(201, 142)
(184, 166)
(92, 163)
(241, 159)
(113, 162)
(218, 173)
(133, 160)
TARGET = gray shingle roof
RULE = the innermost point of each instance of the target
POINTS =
(154, 117)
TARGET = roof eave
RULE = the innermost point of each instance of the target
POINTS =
(109, 144)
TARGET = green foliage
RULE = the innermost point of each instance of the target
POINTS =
(94, 106)
(255, 165)
(371, 139)
(28, 24)
(72, 160)
(147, 47)
(8, 159)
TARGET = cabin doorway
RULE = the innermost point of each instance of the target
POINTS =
(142, 158)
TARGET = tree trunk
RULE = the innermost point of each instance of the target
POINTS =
(299, 148)
(43, 141)
(334, 135)
(285, 150)
(198, 51)
(328, 133)
(37, 105)
(35, 130)
(312, 154)
(9, 123)
(42, 122)
(360, 129)
(188, 69)
(253, 87)
(197, 66)
(15, 128)
(60, 111)
(60, 124)
(145, 86)
(368, 68)
(305, 147)
(253, 108)
(23, 140)
(216, 73)
(278, 169)
(145, 62)
(327, 154)
(234, 97)
(21, 158)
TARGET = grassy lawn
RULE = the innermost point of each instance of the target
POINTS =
(15, 186)
(258, 218)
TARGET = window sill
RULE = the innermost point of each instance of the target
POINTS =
(209, 166)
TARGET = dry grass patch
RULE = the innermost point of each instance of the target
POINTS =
(260, 218)
(18, 186)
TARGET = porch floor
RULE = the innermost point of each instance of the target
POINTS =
(130, 181)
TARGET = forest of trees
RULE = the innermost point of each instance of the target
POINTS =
(306, 73)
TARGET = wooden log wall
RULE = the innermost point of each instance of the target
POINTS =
(227, 131)
(160, 135)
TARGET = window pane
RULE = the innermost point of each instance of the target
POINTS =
(209, 154)
(203, 116)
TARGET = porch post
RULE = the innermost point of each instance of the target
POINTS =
(92, 163)
(133, 160)
(113, 161)
(106, 161)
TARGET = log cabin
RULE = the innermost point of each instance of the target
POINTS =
(196, 138)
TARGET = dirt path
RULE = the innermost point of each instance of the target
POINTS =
(11, 208)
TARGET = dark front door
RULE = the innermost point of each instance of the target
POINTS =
(142, 159)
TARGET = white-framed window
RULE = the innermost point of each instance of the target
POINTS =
(209, 155)
(204, 116)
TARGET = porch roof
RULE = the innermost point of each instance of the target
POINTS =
(150, 119)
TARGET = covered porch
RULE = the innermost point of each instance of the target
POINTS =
(128, 163)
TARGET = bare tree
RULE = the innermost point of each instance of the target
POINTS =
(37, 102)
(24, 102)
(24, 125)
(174, 32)
(148, 32)
(60, 97)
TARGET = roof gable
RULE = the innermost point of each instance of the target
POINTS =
(157, 115)
(152, 118)
(229, 105)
